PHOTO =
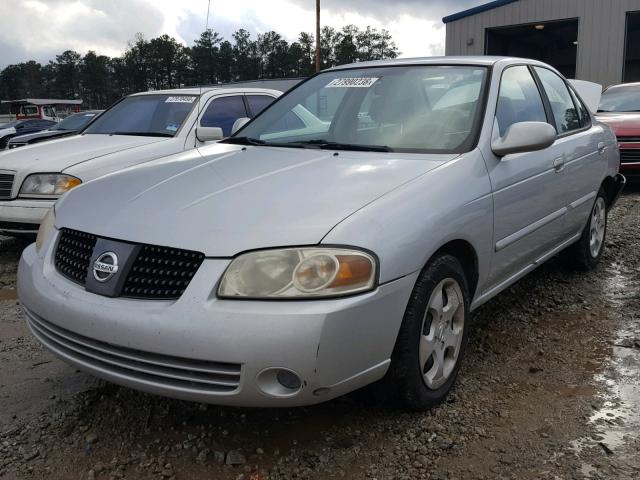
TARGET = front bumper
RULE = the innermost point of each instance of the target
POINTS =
(23, 216)
(206, 349)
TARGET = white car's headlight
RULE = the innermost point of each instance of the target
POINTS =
(46, 228)
(308, 272)
(48, 185)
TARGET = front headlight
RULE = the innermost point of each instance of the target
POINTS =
(46, 228)
(48, 185)
(299, 273)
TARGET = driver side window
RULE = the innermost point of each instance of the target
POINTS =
(519, 99)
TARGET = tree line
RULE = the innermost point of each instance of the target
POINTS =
(163, 62)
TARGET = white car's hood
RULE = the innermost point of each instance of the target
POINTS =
(59, 155)
(231, 199)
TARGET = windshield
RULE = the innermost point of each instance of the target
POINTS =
(152, 115)
(10, 124)
(404, 108)
(621, 99)
(75, 122)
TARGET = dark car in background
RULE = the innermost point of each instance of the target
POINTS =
(22, 127)
(620, 109)
(69, 126)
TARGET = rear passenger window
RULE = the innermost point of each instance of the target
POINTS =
(564, 110)
(583, 113)
(223, 112)
(519, 99)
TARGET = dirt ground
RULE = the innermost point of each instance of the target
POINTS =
(550, 389)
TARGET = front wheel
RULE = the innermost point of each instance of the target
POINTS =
(586, 253)
(433, 335)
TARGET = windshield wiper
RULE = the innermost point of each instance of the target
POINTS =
(243, 141)
(327, 145)
(262, 143)
(143, 134)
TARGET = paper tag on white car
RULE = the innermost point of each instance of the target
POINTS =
(179, 99)
(351, 82)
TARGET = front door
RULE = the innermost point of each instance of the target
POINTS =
(527, 187)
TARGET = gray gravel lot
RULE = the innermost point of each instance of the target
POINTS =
(550, 388)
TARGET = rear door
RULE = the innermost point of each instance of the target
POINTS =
(581, 149)
(529, 203)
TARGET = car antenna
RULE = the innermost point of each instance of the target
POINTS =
(206, 29)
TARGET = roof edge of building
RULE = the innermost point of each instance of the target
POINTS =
(479, 9)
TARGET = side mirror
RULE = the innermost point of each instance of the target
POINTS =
(524, 137)
(209, 134)
(239, 123)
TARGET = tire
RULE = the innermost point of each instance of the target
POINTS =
(585, 254)
(433, 333)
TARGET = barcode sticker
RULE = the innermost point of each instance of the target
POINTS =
(352, 82)
(179, 99)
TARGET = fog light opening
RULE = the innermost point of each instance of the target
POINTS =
(288, 380)
(279, 382)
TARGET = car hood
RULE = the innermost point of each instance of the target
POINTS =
(225, 199)
(7, 131)
(58, 155)
(623, 124)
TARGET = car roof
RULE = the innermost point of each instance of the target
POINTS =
(450, 60)
(197, 91)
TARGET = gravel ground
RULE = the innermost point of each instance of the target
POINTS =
(550, 388)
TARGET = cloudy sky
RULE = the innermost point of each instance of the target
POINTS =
(38, 29)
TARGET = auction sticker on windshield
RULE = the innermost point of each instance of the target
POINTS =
(179, 99)
(352, 82)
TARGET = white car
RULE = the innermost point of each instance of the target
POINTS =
(138, 129)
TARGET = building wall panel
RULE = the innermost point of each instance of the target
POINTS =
(601, 31)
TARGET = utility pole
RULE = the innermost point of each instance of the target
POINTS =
(317, 35)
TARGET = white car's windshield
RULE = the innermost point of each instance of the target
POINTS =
(145, 115)
(620, 99)
(407, 108)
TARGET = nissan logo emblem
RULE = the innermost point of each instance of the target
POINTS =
(105, 267)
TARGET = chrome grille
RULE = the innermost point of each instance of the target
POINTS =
(628, 139)
(157, 273)
(160, 272)
(6, 185)
(629, 155)
(144, 367)
(73, 254)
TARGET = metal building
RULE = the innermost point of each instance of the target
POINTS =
(595, 40)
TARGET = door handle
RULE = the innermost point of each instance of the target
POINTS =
(601, 147)
(558, 164)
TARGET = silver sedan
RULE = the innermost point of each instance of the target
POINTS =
(339, 240)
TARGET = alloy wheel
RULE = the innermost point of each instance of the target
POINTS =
(597, 227)
(441, 334)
